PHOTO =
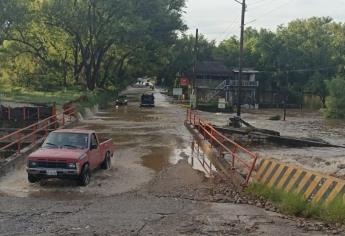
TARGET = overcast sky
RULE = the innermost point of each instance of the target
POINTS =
(219, 19)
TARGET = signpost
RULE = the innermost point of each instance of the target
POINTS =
(192, 100)
(221, 103)
(184, 82)
(177, 92)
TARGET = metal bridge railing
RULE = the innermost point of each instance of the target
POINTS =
(31, 132)
(241, 159)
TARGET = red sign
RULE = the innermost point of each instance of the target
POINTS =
(184, 82)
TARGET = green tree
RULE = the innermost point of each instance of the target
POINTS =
(92, 42)
(179, 58)
(336, 100)
(317, 86)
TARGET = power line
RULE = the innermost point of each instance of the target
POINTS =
(261, 3)
(234, 22)
(270, 11)
(229, 28)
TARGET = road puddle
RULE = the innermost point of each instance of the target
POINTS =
(157, 159)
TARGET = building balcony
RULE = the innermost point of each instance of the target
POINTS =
(245, 83)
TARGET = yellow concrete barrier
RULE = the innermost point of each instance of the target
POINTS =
(315, 187)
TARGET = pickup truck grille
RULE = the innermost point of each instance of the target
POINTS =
(53, 165)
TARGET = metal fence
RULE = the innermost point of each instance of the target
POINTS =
(31, 133)
(240, 159)
(26, 113)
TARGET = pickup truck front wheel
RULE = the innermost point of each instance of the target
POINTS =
(106, 164)
(32, 179)
(84, 178)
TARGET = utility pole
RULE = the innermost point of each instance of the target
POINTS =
(194, 89)
(286, 93)
(239, 92)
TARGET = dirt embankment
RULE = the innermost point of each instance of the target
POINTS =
(181, 181)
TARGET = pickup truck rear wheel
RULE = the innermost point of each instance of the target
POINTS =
(84, 178)
(107, 162)
(32, 179)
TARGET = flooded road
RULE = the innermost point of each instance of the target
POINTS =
(149, 190)
(146, 140)
(305, 123)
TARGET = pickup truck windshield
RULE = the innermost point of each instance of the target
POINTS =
(66, 140)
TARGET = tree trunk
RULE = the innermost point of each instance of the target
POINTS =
(323, 100)
(76, 64)
(64, 64)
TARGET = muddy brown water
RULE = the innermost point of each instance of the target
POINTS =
(146, 140)
(299, 123)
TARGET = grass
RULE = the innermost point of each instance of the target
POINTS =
(18, 94)
(295, 204)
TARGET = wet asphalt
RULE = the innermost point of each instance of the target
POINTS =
(146, 141)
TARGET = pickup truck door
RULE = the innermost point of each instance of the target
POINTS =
(95, 152)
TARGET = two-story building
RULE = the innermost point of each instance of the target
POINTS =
(214, 80)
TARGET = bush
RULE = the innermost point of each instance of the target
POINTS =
(336, 101)
(335, 211)
(292, 203)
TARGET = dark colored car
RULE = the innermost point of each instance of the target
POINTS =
(121, 101)
(147, 100)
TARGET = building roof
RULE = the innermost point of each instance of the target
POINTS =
(246, 70)
(212, 68)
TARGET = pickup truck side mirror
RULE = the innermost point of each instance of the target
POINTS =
(93, 147)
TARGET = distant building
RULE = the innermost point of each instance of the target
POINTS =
(214, 80)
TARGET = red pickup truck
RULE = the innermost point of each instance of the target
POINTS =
(70, 153)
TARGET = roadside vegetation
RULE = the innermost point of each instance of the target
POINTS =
(294, 204)
(58, 50)
(336, 100)
(27, 95)
(55, 45)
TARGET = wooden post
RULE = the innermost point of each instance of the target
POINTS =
(19, 143)
(34, 135)
(38, 113)
(54, 116)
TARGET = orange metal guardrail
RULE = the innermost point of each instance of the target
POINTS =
(31, 132)
(241, 158)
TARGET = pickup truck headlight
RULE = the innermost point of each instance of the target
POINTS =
(33, 164)
(71, 165)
